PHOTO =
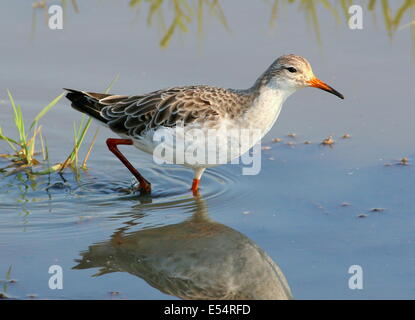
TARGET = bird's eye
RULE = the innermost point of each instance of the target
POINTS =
(292, 69)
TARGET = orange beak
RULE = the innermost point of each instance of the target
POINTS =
(317, 83)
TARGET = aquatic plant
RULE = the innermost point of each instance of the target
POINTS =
(7, 280)
(23, 148)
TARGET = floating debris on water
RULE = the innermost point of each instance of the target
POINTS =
(404, 161)
(328, 141)
(307, 142)
(345, 204)
(32, 295)
(290, 144)
(276, 140)
(266, 148)
(246, 212)
(114, 293)
(292, 135)
(346, 136)
(362, 215)
(377, 209)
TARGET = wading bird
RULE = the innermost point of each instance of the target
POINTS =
(138, 118)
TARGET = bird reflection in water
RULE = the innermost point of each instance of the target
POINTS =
(194, 259)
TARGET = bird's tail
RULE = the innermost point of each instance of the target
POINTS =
(88, 103)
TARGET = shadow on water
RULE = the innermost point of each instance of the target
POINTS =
(195, 259)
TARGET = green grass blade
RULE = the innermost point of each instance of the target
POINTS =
(112, 83)
(10, 141)
(8, 273)
(46, 109)
(155, 6)
(90, 149)
(21, 125)
(11, 101)
(83, 133)
(167, 36)
(16, 113)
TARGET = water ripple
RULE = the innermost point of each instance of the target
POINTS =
(70, 204)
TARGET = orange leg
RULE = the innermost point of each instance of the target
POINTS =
(196, 179)
(195, 187)
(145, 186)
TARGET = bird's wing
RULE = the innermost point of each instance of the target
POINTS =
(134, 115)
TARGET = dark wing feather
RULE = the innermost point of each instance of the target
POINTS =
(134, 115)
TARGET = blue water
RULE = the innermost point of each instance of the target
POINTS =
(290, 213)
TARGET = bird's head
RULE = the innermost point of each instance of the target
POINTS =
(291, 72)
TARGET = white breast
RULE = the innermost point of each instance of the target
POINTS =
(265, 109)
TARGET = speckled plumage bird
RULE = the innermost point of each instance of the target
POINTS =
(137, 119)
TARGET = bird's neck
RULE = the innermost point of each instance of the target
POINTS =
(266, 104)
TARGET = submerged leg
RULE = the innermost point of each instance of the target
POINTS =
(196, 180)
(145, 186)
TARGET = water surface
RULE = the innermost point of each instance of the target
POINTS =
(288, 220)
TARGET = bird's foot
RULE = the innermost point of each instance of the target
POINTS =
(143, 188)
